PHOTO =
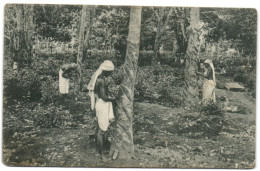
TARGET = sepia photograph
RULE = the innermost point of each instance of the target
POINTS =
(129, 86)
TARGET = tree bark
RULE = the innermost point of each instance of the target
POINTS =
(29, 26)
(88, 30)
(25, 28)
(123, 135)
(191, 90)
(18, 38)
(83, 42)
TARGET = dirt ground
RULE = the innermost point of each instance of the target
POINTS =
(158, 142)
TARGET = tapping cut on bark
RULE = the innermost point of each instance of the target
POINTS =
(191, 89)
(122, 140)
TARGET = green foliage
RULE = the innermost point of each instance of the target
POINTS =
(241, 69)
(211, 109)
(166, 58)
(48, 116)
(211, 120)
(69, 114)
(49, 90)
(51, 20)
(24, 85)
(145, 58)
(236, 25)
(208, 123)
(111, 28)
(160, 84)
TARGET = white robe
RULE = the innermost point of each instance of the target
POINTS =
(63, 83)
(104, 113)
(208, 91)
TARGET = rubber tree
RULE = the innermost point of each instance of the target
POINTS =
(180, 39)
(22, 38)
(88, 30)
(123, 134)
(191, 89)
(83, 40)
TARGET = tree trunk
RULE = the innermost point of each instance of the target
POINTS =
(25, 28)
(29, 26)
(157, 40)
(85, 19)
(156, 49)
(19, 38)
(191, 90)
(123, 135)
(88, 30)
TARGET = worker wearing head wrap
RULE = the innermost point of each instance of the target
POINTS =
(101, 102)
(209, 82)
(64, 80)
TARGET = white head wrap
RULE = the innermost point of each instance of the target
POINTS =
(105, 66)
(208, 61)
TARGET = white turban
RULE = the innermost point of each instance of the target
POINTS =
(105, 66)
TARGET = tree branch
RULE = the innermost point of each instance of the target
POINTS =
(156, 13)
(43, 8)
(166, 21)
(7, 37)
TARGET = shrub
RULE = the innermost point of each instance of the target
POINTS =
(235, 68)
(208, 123)
(49, 89)
(161, 84)
(24, 85)
(146, 57)
(48, 116)
(211, 119)
(211, 109)
(48, 67)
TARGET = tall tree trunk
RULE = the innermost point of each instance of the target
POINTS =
(29, 28)
(191, 90)
(157, 40)
(123, 135)
(19, 38)
(82, 39)
(25, 27)
(88, 30)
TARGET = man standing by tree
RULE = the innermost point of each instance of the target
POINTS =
(100, 101)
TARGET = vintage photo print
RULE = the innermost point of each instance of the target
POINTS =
(129, 86)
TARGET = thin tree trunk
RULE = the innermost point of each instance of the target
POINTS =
(88, 30)
(29, 29)
(191, 90)
(123, 135)
(84, 15)
(19, 22)
(110, 47)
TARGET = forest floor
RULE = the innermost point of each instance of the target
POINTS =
(158, 142)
